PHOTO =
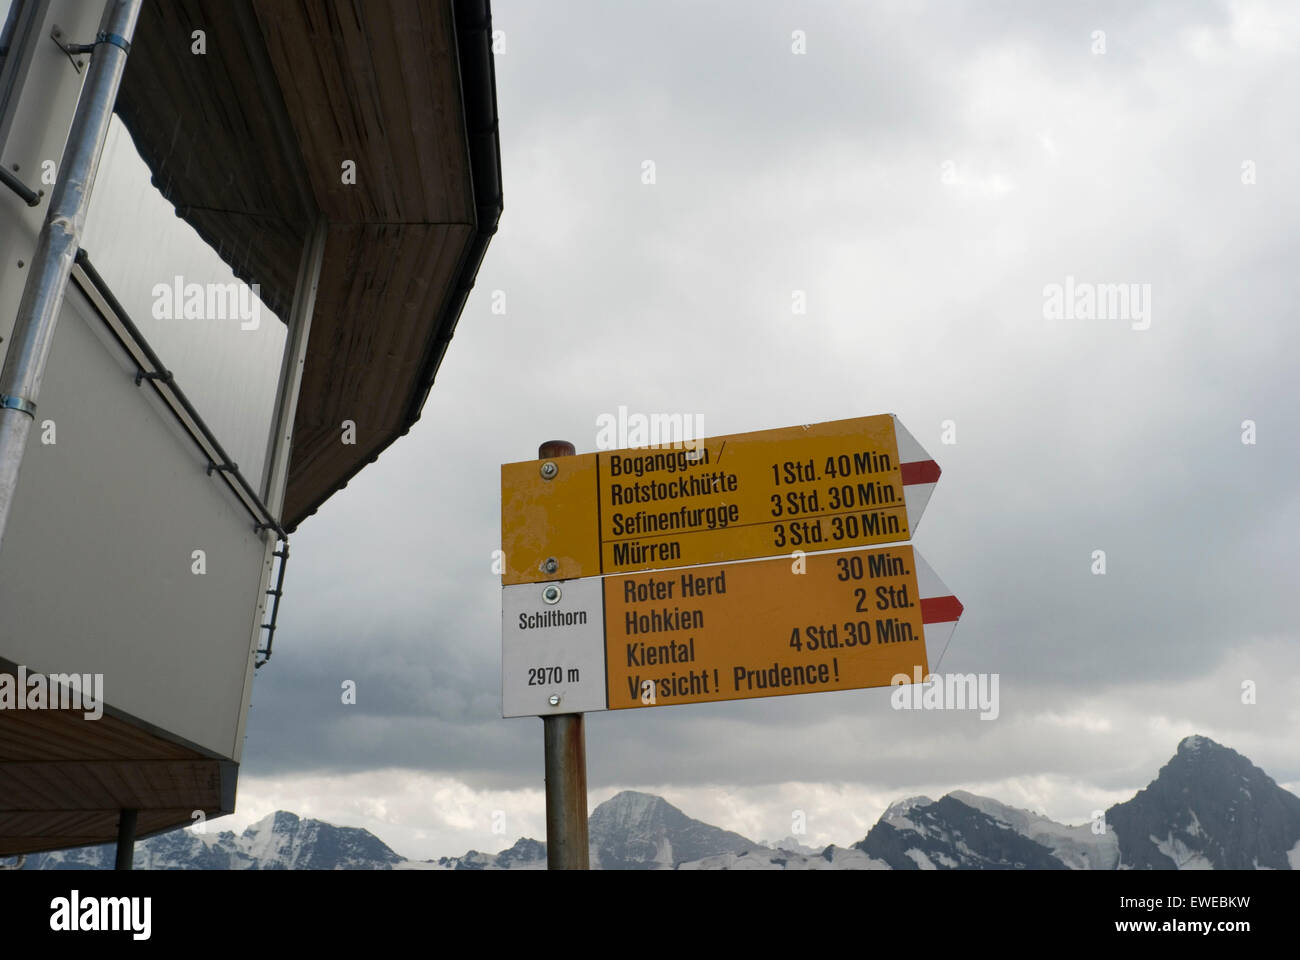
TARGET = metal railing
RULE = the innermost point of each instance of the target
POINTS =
(30, 196)
(149, 367)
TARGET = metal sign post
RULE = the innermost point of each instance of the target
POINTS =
(566, 757)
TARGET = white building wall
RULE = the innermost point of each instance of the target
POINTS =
(97, 566)
(97, 573)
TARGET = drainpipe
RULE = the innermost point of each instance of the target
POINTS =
(57, 245)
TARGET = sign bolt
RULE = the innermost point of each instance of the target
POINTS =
(549, 470)
(551, 594)
(550, 565)
(554, 700)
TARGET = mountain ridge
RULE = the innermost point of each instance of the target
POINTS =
(1209, 807)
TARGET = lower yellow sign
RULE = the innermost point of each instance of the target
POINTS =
(766, 628)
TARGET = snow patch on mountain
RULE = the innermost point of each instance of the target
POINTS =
(920, 859)
(1078, 847)
(832, 858)
(791, 845)
(1183, 856)
(896, 814)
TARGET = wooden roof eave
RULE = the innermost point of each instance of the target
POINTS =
(255, 133)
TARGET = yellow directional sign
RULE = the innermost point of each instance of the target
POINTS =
(735, 631)
(731, 631)
(818, 487)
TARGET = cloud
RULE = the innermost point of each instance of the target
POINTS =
(825, 173)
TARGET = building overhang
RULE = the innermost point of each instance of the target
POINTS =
(250, 140)
(67, 778)
(378, 116)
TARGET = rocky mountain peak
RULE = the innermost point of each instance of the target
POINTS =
(634, 830)
(1208, 808)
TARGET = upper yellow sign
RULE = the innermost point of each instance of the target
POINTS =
(819, 487)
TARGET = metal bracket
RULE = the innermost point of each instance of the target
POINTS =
(30, 197)
(115, 39)
(164, 376)
(222, 467)
(74, 50)
(18, 403)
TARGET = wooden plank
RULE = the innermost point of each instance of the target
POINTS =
(67, 735)
(36, 831)
(363, 372)
(93, 785)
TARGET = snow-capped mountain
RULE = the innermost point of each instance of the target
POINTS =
(280, 841)
(526, 854)
(962, 831)
(629, 831)
(637, 831)
(1208, 808)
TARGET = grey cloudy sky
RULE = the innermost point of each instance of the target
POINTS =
(922, 172)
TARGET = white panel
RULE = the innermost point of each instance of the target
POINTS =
(229, 368)
(96, 571)
(915, 495)
(909, 451)
(937, 638)
(927, 581)
(529, 645)
(915, 498)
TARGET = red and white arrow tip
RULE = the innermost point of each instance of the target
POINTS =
(940, 610)
(920, 474)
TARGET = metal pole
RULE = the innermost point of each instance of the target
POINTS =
(126, 839)
(566, 764)
(57, 245)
